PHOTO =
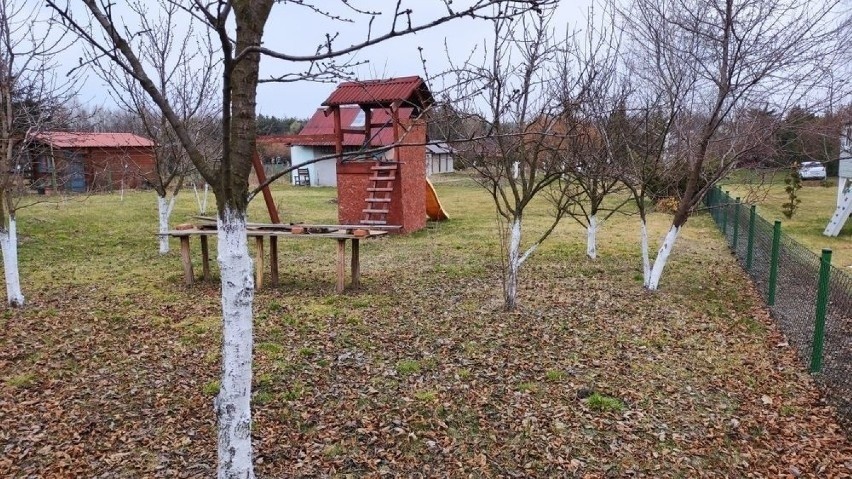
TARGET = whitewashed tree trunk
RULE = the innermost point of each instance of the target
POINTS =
(202, 202)
(233, 404)
(592, 237)
(164, 212)
(663, 257)
(514, 264)
(9, 246)
(646, 260)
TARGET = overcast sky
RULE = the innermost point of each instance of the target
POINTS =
(296, 30)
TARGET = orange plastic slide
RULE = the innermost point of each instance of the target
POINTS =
(434, 210)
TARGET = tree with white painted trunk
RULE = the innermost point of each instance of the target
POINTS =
(517, 133)
(238, 26)
(642, 135)
(593, 153)
(184, 68)
(30, 98)
(711, 61)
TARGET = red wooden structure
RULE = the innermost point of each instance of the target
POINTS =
(384, 187)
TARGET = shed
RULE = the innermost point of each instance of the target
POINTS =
(83, 161)
(317, 139)
(439, 158)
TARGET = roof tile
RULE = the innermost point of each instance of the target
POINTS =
(411, 90)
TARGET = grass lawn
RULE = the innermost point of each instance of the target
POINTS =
(808, 221)
(111, 369)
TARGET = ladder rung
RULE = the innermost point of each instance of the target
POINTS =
(383, 178)
(378, 200)
(379, 189)
(383, 167)
(374, 222)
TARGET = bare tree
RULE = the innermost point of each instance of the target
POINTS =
(238, 26)
(30, 97)
(181, 63)
(591, 162)
(711, 61)
(641, 133)
(517, 131)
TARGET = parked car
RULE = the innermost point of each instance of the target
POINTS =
(812, 170)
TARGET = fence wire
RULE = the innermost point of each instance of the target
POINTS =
(796, 294)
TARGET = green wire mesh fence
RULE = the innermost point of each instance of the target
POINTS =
(788, 276)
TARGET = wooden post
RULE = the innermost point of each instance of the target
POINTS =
(267, 195)
(338, 134)
(273, 259)
(187, 260)
(205, 257)
(341, 264)
(258, 241)
(356, 263)
(368, 118)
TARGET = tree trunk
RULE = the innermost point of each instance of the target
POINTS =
(202, 203)
(592, 237)
(663, 257)
(164, 212)
(233, 404)
(646, 261)
(514, 264)
(9, 246)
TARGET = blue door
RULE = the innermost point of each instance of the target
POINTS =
(77, 173)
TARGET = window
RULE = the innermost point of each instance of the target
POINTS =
(359, 120)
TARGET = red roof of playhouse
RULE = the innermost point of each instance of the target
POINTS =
(411, 91)
(319, 130)
(68, 139)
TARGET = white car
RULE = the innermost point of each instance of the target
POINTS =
(812, 170)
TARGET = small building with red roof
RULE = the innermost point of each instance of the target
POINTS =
(83, 161)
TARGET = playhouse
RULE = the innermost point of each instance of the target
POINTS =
(844, 184)
(379, 185)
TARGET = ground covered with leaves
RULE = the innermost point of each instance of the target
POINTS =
(111, 368)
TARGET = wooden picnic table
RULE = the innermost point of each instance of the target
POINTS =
(341, 235)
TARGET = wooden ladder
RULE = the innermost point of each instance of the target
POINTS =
(379, 193)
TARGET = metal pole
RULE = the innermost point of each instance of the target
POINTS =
(773, 263)
(822, 302)
(736, 223)
(750, 248)
(725, 215)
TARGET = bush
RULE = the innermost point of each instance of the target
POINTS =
(668, 205)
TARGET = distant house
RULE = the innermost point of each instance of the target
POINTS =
(80, 161)
(439, 158)
(317, 139)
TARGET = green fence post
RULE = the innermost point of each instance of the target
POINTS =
(822, 302)
(736, 222)
(773, 262)
(750, 247)
(725, 215)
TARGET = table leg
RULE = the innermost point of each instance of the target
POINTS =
(341, 264)
(356, 263)
(273, 259)
(205, 258)
(187, 260)
(258, 241)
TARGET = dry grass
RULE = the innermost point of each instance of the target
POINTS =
(819, 200)
(113, 364)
